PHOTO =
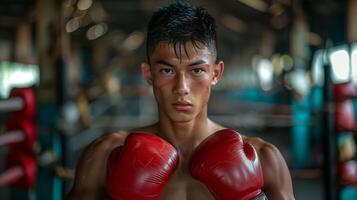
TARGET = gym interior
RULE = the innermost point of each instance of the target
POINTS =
(70, 73)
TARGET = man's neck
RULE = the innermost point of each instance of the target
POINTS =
(186, 135)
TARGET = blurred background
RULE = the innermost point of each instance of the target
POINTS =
(69, 73)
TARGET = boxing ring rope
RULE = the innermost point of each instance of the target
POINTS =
(12, 137)
(11, 175)
(15, 103)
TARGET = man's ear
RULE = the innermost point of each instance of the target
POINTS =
(217, 72)
(146, 73)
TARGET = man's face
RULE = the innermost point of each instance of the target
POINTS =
(182, 85)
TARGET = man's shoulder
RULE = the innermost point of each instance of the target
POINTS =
(91, 168)
(260, 144)
(111, 140)
(108, 141)
(277, 179)
(268, 153)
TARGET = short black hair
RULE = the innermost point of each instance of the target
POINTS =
(179, 23)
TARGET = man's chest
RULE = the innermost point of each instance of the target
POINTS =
(183, 187)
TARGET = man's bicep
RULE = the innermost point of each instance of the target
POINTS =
(277, 179)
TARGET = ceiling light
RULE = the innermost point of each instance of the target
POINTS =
(259, 5)
(73, 24)
(96, 31)
(84, 4)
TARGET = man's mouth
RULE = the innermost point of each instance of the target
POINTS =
(182, 106)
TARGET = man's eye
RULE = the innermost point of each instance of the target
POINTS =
(197, 71)
(166, 71)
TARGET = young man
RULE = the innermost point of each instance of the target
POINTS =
(182, 68)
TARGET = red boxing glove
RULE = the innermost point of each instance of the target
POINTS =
(141, 168)
(229, 167)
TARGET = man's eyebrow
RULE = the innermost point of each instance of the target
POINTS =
(198, 62)
(163, 62)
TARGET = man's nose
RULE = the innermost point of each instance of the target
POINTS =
(182, 85)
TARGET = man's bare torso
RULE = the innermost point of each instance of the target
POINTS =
(181, 185)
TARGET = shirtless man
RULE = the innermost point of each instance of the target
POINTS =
(182, 68)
